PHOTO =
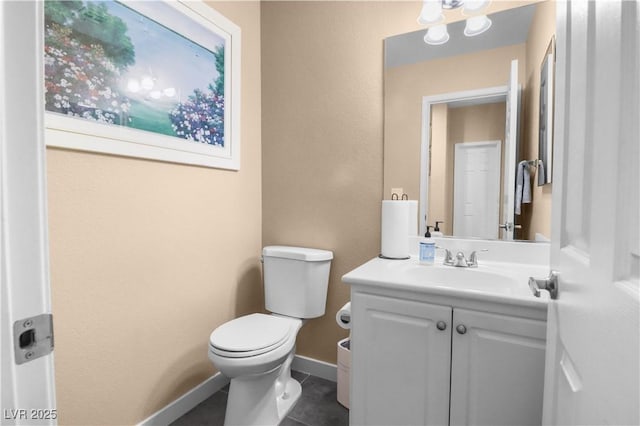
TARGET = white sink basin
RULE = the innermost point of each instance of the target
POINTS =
(490, 281)
(471, 279)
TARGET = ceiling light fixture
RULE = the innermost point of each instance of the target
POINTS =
(431, 16)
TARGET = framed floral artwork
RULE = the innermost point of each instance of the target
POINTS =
(157, 80)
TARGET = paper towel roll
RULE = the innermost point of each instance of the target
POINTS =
(343, 316)
(413, 217)
(394, 243)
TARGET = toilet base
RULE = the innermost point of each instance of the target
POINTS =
(263, 399)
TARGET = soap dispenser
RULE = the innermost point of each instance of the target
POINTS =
(427, 249)
(436, 229)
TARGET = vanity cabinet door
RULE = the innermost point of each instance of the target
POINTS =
(400, 366)
(497, 371)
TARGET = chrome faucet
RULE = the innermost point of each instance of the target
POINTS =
(473, 260)
(460, 261)
(447, 257)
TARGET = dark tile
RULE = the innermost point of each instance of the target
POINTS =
(299, 375)
(288, 421)
(209, 412)
(318, 405)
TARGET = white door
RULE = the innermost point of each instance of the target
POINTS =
(592, 363)
(476, 189)
(27, 391)
(510, 153)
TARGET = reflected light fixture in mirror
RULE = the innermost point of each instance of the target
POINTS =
(437, 35)
(431, 15)
(472, 7)
(477, 25)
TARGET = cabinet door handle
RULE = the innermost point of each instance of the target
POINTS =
(461, 329)
(441, 325)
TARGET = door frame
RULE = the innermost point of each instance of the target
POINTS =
(488, 94)
(24, 245)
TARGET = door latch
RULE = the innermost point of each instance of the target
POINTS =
(509, 226)
(33, 337)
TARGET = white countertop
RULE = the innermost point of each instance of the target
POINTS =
(500, 282)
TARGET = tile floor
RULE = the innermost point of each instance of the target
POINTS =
(316, 407)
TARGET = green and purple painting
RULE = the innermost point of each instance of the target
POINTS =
(108, 63)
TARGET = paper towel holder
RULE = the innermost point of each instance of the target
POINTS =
(396, 197)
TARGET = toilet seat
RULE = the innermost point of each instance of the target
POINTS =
(251, 335)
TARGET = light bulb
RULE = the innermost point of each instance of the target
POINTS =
(437, 35)
(477, 25)
(169, 92)
(431, 12)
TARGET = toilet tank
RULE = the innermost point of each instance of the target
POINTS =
(296, 280)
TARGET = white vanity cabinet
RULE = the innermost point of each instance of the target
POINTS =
(497, 369)
(388, 386)
(420, 363)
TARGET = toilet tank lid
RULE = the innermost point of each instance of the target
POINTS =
(297, 253)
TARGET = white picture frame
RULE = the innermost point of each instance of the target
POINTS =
(191, 20)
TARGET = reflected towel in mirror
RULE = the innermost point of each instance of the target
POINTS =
(523, 186)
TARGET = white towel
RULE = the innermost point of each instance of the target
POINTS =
(523, 186)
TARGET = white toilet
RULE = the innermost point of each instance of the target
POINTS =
(255, 351)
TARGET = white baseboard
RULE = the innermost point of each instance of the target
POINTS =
(186, 402)
(316, 368)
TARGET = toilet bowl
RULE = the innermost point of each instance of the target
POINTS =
(255, 351)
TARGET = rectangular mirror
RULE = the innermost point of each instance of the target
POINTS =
(460, 119)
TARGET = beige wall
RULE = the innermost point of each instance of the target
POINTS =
(406, 85)
(147, 258)
(322, 136)
(536, 216)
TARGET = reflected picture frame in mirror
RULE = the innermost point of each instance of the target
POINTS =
(545, 125)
